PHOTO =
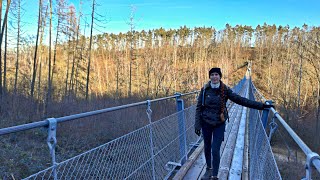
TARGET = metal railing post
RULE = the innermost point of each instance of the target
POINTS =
(273, 127)
(265, 114)
(52, 142)
(149, 113)
(182, 128)
(310, 157)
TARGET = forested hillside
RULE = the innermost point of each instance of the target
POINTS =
(65, 63)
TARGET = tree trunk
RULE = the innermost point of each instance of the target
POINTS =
(67, 73)
(39, 88)
(5, 64)
(48, 97)
(90, 44)
(5, 19)
(35, 53)
(77, 55)
(18, 46)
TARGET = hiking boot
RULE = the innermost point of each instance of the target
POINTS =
(207, 175)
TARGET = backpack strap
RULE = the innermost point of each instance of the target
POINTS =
(203, 92)
(222, 97)
(205, 86)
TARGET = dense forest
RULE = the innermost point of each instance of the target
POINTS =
(66, 63)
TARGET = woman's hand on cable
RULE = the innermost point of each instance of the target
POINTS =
(268, 106)
(197, 131)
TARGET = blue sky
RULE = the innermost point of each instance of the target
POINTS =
(216, 13)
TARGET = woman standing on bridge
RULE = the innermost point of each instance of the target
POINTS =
(211, 115)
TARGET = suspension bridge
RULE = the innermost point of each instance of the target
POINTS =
(169, 149)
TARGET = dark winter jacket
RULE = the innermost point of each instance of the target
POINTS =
(209, 111)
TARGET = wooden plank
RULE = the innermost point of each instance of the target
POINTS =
(237, 159)
(185, 168)
(197, 169)
(227, 154)
(245, 174)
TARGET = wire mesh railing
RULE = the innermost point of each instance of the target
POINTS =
(312, 158)
(130, 156)
(150, 152)
(261, 158)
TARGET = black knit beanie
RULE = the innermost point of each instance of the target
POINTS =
(216, 70)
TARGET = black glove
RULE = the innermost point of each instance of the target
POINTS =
(268, 106)
(197, 131)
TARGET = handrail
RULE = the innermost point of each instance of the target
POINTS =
(295, 137)
(45, 123)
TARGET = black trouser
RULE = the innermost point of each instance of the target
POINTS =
(213, 137)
